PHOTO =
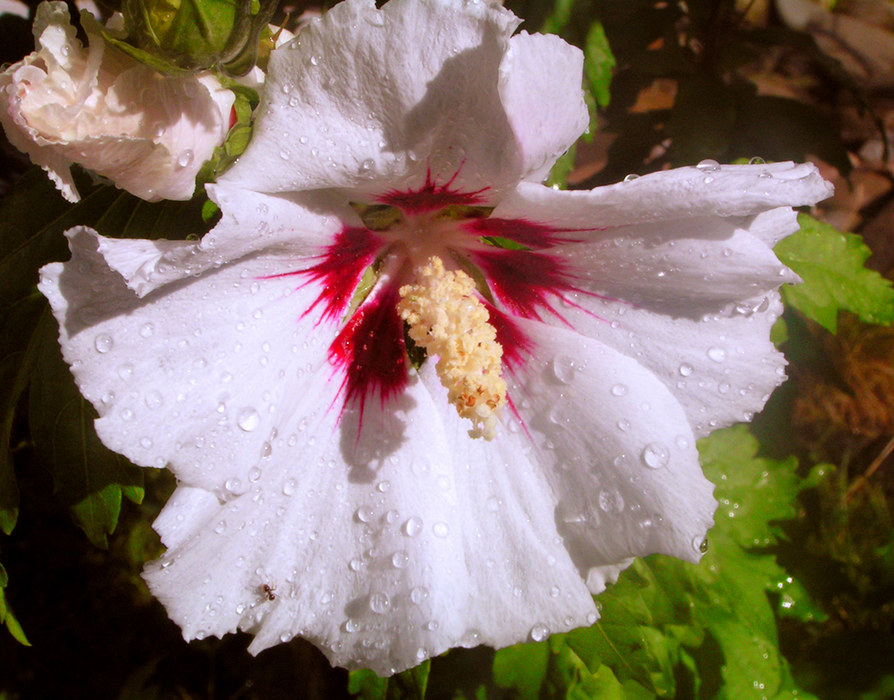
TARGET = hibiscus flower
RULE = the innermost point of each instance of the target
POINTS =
(413, 398)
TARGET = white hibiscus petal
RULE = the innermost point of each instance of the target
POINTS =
(540, 89)
(193, 376)
(685, 267)
(381, 555)
(252, 223)
(616, 448)
(727, 190)
(722, 367)
(400, 108)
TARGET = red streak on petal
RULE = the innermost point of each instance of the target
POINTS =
(528, 233)
(517, 347)
(370, 351)
(431, 196)
(525, 281)
(340, 268)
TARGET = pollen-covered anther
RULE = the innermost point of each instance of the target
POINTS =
(446, 319)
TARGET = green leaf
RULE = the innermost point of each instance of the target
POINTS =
(88, 478)
(835, 279)
(6, 615)
(599, 64)
(522, 668)
(669, 628)
(411, 684)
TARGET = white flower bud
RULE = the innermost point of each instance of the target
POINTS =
(149, 134)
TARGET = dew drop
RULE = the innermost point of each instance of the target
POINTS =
(248, 419)
(364, 514)
(399, 560)
(146, 443)
(611, 501)
(146, 330)
(153, 399)
(591, 618)
(103, 343)
(655, 455)
(367, 165)
(539, 632)
(631, 177)
(619, 390)
(383, 486)
(708, 166)
(221, 527)
(288, 488)
(379, 603)
(185, 158)
(563, 369)
(717, 354)
(412, 527)
(685, 369)
(700, 544)
(418, 595)
(440, 529)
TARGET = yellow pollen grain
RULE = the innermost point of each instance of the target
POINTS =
(447, 319)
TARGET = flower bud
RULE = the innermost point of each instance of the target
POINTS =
(199, 34)
(147, 133)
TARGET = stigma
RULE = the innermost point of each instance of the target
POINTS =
(447, 319)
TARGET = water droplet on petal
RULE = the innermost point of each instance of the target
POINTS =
(418, 595)
(655, 455)
(413, 527)
(153, 399)
(708, 166)
(146, 330)
(700, 544)
(248, 419)
(563, 369)
(619, 390)
(379, 603)
(631, 177)
(756, 160)
(686, 369)
(400, 559)
(611, 501)
(717, 354)
(288, 488)
(185, 158)
(364, 514)
(539, 632)
(440, 529)
(103, 343)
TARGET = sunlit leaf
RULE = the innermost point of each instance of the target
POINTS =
(411, 684)
(831, 264)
